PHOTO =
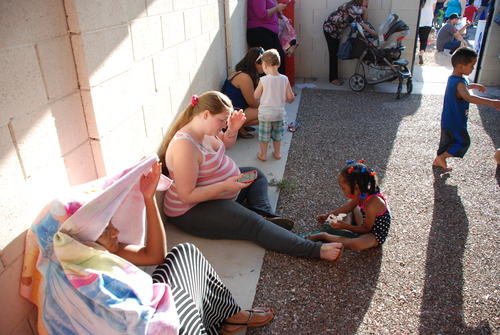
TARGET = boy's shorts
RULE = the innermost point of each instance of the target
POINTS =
(453, 142)
(271, 130)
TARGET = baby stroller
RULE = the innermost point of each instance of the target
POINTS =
(379, 59)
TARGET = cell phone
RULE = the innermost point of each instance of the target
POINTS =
(248, 177)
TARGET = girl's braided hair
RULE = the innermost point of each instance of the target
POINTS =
(357, 173)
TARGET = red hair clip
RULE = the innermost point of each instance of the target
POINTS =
(361, 161)
(350, 169)
(372, 172)
(194, 100)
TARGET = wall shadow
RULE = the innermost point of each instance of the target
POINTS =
(442, 308)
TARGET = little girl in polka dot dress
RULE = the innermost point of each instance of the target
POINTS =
(368, 218)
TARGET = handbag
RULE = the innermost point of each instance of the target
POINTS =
(287, 35)
(346, 48)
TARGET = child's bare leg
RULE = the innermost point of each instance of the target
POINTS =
(262, 155)
(358, 217)
(277, 149)
(440, 161)
(362, 242)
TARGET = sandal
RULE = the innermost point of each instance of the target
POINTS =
(307, 235)
(340, 255)
(338, 232)
(247, 136)
(223, 331)
(292, 127)
(249, 128)
(282, 222)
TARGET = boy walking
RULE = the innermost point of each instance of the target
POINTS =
(273, 91)
(455, 139)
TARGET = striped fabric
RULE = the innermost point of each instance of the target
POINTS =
(216, 167)
(202, 300)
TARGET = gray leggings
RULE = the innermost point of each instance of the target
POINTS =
(227, 219)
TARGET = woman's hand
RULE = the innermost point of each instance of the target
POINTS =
(236, 120)
(232, 184)
(149, 182)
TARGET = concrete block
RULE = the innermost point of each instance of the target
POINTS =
(80, 165)
(202, 49)
(198, 80)
(17, 307)
(192, 23)
(210, 18)
(166, 67)
(107, 53)
(179, 96)
(314, 4)
(50, 132)
(155, 7)
(173, 29)
(37, 139)
(58, 66)
(143, 80)
(182, 5)
(13, 250)
(21, 82)
(156, 112)
(31, 20)
(137, 9)
(29, 325)
(186, 56)
(125, 145)
(113, 102)
(91, 15)
(146, 37)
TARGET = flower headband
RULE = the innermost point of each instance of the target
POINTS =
(194, 100)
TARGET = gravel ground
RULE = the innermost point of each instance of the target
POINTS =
(438, 272)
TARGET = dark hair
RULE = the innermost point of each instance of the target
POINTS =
(463, 55)
(359, 174)
(247, 64)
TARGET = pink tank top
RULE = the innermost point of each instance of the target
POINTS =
(214, 168)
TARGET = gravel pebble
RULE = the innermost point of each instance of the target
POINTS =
(438, 272)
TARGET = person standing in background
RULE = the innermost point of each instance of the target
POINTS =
(262, 26)
(484, 8)
(426, 16)
(454, 6)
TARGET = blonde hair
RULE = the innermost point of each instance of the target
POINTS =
(271, 57)
(213, 101)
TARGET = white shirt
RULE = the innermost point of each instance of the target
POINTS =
(273, 99)
(427, 14)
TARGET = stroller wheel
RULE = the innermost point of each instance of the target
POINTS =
(409, 85)
(357, 82)
(400, 88)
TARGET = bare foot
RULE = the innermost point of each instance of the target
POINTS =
(337, 82)
(276, 156)
(331, 251)
(440, 162)
(261, 157)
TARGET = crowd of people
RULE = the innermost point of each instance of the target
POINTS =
(206, 196)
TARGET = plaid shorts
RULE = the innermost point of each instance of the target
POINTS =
(271, 130)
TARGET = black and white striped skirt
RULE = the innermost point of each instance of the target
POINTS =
(202, 300)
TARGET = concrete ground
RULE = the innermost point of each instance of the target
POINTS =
(238, 263)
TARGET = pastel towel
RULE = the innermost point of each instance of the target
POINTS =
(80, 288)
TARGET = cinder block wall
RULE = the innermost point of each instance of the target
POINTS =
(311, 58)
(89, 87)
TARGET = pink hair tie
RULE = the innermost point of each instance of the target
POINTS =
(194, 100)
